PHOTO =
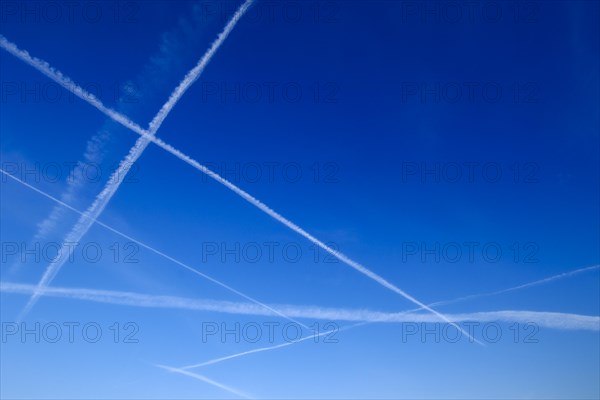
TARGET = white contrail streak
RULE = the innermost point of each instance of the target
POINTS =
(152, 249)
(205, 379)
(278, 217)
(75, 181)
(246, 196)
(68, 84)
(86, 221)
(545, 319)
(152, 74)
(550, 320)
(193, 75)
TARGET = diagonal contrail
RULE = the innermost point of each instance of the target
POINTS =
(269, 348)
(205, 379)
(68, 84)
(551, 320)
(149, 81)
(519, 287)
(152, 249)
(278, 217)
(86, 221)
(193, 74)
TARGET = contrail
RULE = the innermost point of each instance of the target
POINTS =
(246, 196)
(205, 379)
(261, 349)
(152, 249)
(93, 155)
(561, 321)
(75, 181)
(546, 319)
(68, 84)
(287, 312)
(550, 320)
(86, 221)
(278, 217)
(526, 285)
(149, 81)
(193, 75)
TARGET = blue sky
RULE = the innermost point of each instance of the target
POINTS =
(398, 133)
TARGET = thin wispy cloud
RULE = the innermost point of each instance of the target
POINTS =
(116, 179)
(74, 183)
(173, 45)
(76, 180)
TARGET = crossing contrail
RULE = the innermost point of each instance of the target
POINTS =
(68, 84)
(116, 179)
(278, 217)
(552, 320)
(148, 82)
(154, 250)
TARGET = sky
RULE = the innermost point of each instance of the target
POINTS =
(408, 153)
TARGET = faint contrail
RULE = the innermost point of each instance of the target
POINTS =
(278, 217)
(152, 249)
(261, 349)
(563, 321)
(526, 285)
(75, 181)
(246, 196)
(193, 75)
(287, 312)
(549, 320)
(546, 319)
(86, 221)
(151, 76)
(205, 379)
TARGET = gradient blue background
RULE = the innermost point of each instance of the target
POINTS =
(366, 51)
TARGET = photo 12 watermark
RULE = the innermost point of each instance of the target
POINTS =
(275, 11)
(456, 12)
(70, 12)
(49, 92)
(79, 253)
(469, 92)
(265, 252)
(269, 332)
(470, 172)
(70, 332)
(471, 252)
(268, 92)
(486, 332)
